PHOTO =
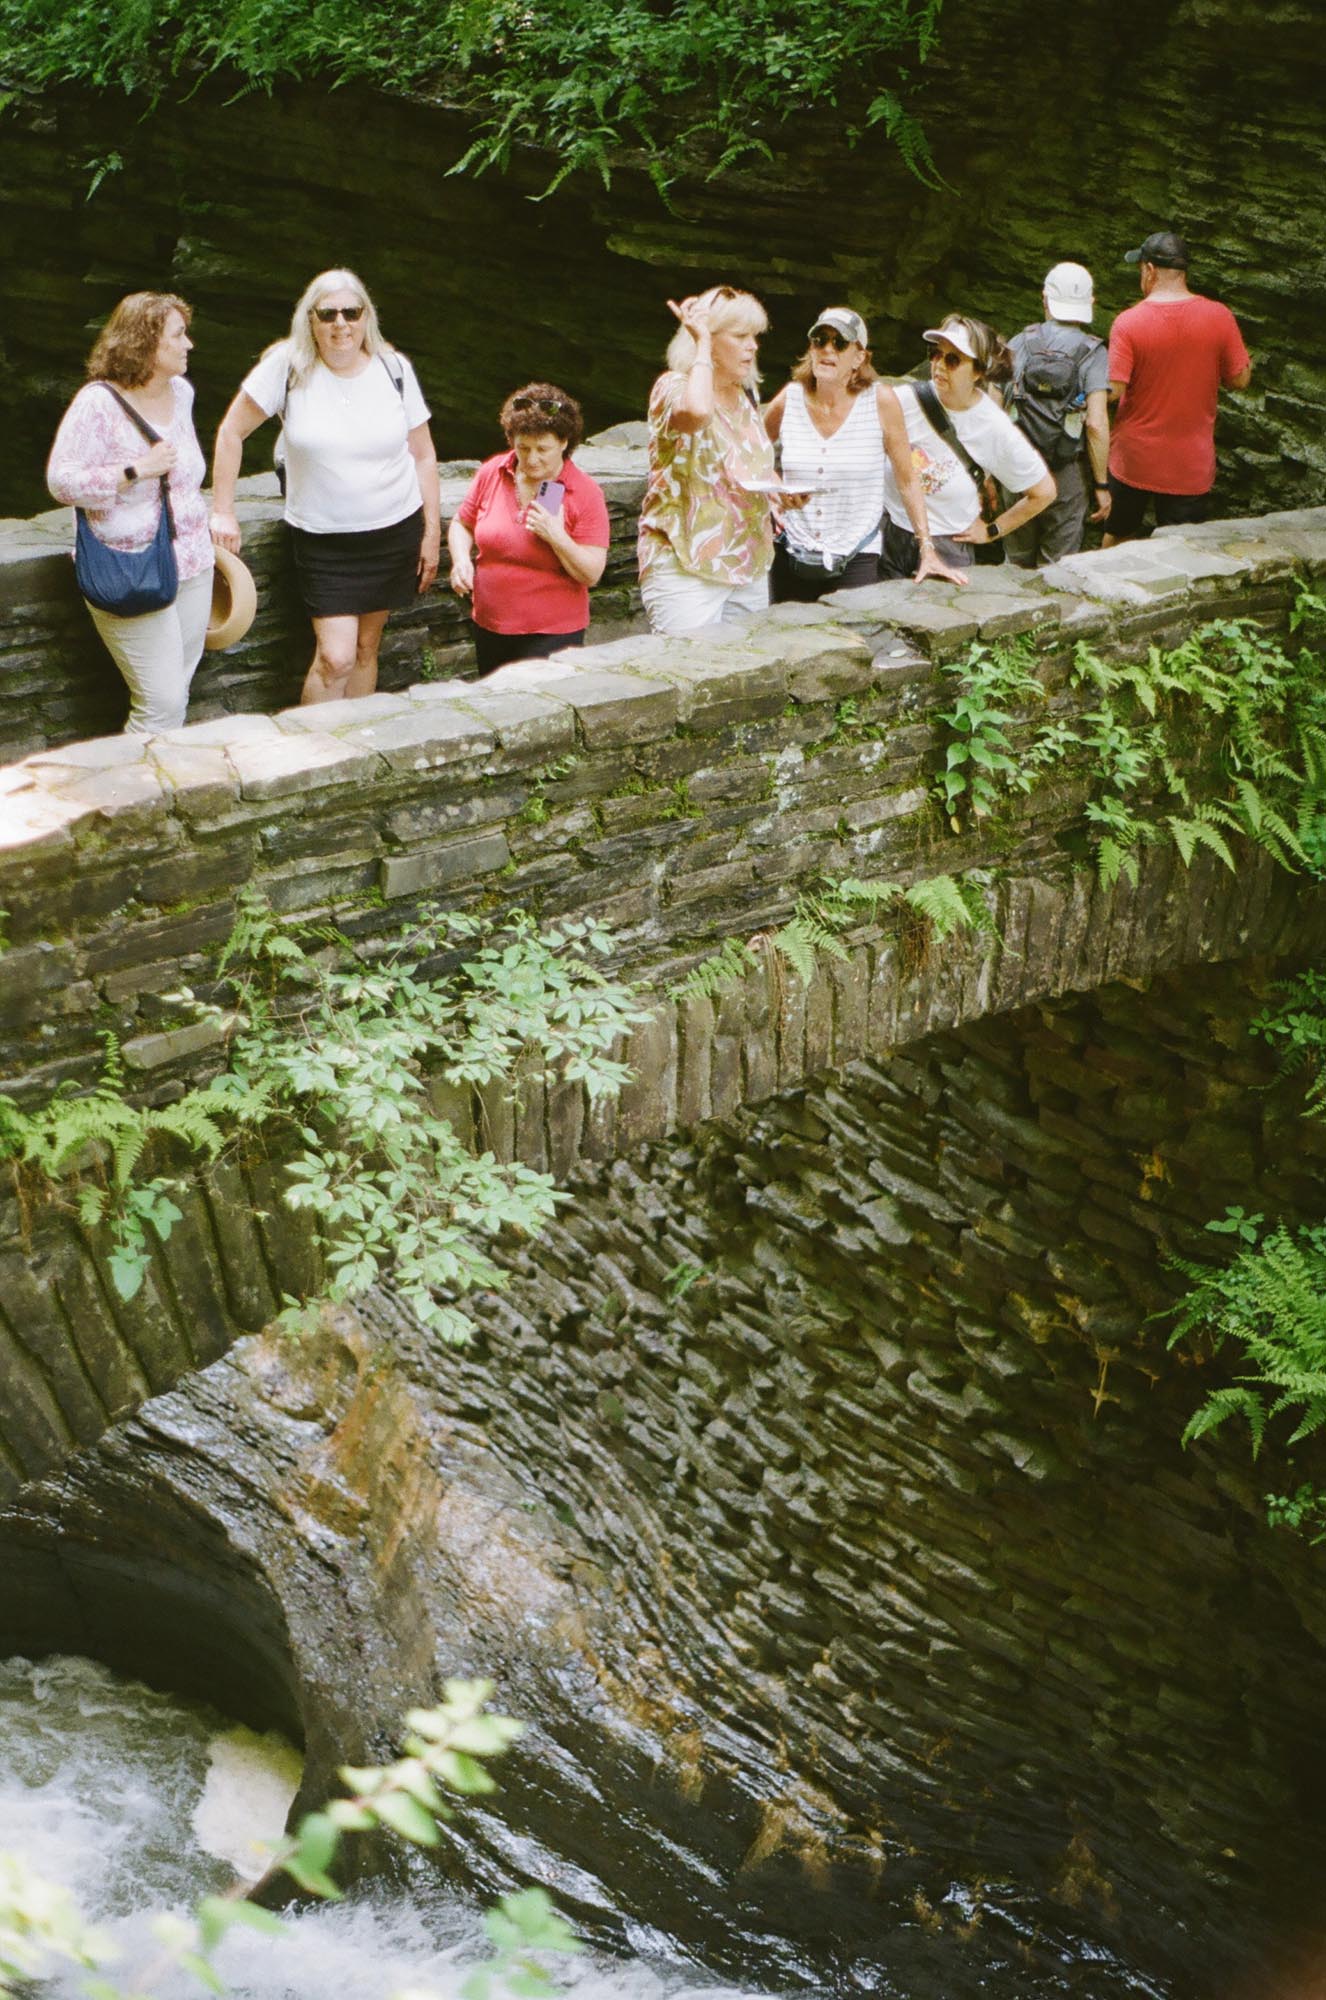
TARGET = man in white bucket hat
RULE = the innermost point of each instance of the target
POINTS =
(1059, 397)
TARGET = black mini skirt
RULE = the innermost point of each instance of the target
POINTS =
(347, 574)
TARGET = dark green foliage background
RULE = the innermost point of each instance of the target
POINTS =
(680, 85)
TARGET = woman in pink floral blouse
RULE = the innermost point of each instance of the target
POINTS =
(103, 463)
(706, 533)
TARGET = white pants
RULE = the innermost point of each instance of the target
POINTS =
(678, 603)
(157, 653)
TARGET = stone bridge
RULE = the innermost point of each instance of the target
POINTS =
(684, 792)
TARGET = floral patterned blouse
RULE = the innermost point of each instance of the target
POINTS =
(697, 505)
(93, 445)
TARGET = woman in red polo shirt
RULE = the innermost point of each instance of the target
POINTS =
(531, 535)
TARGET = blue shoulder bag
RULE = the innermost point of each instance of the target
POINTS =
(129, 583)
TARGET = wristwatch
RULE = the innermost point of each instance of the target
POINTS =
(131, 473)
(993, 531)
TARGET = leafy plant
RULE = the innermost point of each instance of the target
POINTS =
(1270, 1301)
(1231, 686)
(687, 87)
(815, 929)
(1296, 1026)
(334, 1063)
(979, 765)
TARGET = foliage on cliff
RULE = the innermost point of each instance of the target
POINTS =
(334, 1061)
(1267, 1304)
(677, 84)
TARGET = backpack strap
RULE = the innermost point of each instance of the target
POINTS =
(938, 419)
(153, 437)
(398, 380)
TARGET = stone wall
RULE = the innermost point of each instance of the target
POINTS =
(684, 792)
(58, 684)
(816, 1491)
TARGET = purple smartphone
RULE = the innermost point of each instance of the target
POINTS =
(550, 493)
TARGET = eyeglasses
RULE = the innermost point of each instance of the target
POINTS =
(827, 336)
(949, 356)
(547, 406)
(328, 315)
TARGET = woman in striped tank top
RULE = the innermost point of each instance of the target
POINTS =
(836, 422)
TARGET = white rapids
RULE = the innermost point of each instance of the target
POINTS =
(140, 1803)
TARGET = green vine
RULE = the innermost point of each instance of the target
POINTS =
(940, 905)
(1268, 1302)
(334, 1063)
(1230, 681)
(692, 86)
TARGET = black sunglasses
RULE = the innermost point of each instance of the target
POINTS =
(327, 315)
(547, 406)
(828, 336)
(949, 356)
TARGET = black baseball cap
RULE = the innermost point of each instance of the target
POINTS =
(1161, 247)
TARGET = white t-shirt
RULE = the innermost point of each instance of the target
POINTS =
(848, 468)
(951, 500)
(347, 464)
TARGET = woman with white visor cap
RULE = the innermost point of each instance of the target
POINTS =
(838, 427)
(961, 443)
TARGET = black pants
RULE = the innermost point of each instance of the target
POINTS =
(902, 552)
(785, 588)
(498, 649)
(1128, 505)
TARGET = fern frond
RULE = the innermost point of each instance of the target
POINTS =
(939, 898)
(873, 894)
(1190, 834)
(1222, 1404)
(724, 967)
(801, 939)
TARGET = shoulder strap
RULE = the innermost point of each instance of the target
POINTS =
(397, 380)
(938, 419)
(153, 437)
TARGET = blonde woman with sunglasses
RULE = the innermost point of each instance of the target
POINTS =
(361, 487)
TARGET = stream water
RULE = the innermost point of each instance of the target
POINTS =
(138, 1802)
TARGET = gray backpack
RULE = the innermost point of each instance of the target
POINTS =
(1045, 395)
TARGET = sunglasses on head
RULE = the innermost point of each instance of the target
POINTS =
(327, 315)
(547, 406)
(828, 336)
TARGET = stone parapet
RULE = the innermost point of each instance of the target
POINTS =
(58, 684)
(685, 792)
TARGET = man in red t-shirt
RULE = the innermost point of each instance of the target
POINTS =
(1169, 358)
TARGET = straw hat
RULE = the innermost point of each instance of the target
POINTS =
(234, 602)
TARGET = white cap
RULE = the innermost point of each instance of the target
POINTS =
(844, 321)
(956, 334)
(1069, 293)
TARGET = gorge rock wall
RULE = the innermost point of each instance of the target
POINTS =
(1071, 135)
